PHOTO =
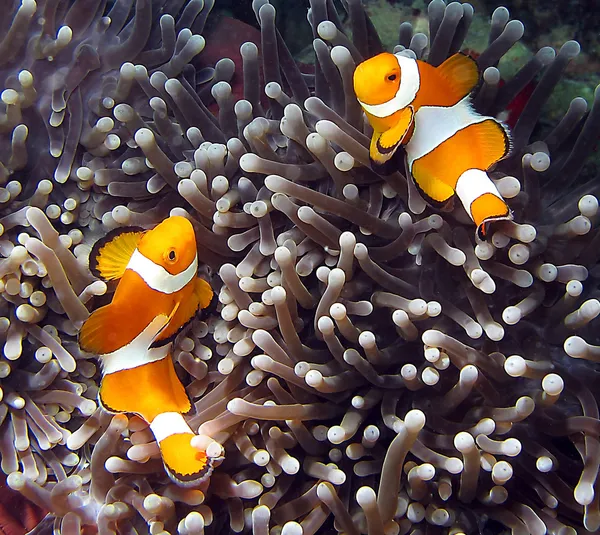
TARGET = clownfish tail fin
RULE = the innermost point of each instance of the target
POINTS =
(481, 200)
(186, 466)
(483, 229)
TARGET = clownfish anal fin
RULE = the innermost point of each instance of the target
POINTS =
(434, 191)
(461, 72)
(110, 255)
(384, 144)
(146, 390)
(444, 205)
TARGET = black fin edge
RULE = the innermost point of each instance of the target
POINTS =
(94, 253)
(482, 230)
(196, 479)
(198, 314)
(438, 205)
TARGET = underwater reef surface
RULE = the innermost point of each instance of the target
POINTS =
(369, 367)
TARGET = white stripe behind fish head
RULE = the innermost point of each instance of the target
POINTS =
(410, 82)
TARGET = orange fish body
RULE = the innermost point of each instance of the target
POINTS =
(449, 147)
(157, 294)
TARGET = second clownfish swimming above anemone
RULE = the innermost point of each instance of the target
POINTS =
(159, 291)
(449, 146)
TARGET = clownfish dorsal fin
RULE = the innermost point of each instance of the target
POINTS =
(384, 144)
(493, 141)
(461, 72)
(110, 255)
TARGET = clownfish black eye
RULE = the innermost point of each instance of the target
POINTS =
(172, 255)
(391, 77)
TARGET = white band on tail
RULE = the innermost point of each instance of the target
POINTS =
(410, 81)
(137, 352)
(167, 424)
(157, 277)
(472, 184)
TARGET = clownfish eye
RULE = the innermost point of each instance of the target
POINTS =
(392, 77)
(171, 255)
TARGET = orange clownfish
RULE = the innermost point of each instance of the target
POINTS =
(449, 146)
(158, 292)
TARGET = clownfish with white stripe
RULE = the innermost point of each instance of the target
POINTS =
(158, 292)
(449, 146)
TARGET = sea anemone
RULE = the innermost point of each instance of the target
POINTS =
(370, 368)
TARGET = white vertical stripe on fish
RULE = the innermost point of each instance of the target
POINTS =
(436, 124)
(472, 184)
(138, 352)
(167, 424)
(410, 81)
(157, 277)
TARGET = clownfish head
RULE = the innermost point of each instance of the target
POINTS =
(377, 79)
(171, 244)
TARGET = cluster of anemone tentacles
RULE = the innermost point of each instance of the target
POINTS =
(369, 368)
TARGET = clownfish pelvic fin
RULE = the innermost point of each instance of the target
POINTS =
(384, 144)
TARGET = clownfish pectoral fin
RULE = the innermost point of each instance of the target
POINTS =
(461, 72)
(98, 334)
(203, 293)
(186, 465)
(385, 144)
(93, 336)
(188, 309)
(110, 255)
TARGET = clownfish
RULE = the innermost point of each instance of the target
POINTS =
(158, 292)
(449, 146)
